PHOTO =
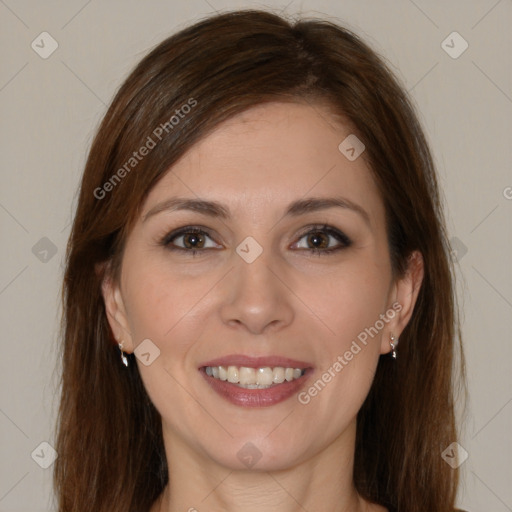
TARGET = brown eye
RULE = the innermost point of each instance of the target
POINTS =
(193, 240)
(318, 240)
(323, 240)
(190, 240)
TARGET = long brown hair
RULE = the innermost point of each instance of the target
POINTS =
(109, 437)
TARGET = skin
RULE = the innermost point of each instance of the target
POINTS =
(289, 302)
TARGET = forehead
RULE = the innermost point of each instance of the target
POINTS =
(269, 156)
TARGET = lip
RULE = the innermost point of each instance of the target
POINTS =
(256, 362)
(256, 397)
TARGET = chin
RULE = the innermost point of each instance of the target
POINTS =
(246, 454)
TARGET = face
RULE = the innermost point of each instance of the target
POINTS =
(257, 292)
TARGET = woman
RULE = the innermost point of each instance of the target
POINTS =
(258, 298)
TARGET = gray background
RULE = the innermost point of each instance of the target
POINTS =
(51, 107)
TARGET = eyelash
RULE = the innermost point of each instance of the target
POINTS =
(338, 235)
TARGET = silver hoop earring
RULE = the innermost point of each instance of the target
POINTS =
(124, 359)
(393, 343)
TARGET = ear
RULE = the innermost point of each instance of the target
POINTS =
(403, 297)
(116, 312)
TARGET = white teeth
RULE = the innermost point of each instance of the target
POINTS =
(254, 378)
(265, 376)
(248, 375)
(278, 376)
(233, 375)
(223, 373)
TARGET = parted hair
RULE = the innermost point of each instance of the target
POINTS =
(108, 433)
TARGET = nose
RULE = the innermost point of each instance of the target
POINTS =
(257, 297)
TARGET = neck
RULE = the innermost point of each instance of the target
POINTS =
(323, 481)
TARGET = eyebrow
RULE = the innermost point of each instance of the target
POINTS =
(295, 209)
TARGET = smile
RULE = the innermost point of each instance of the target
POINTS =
(255, 381)
(254, 378)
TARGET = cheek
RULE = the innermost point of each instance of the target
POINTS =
(156, 300)
(348, 354)
(160, 301)
(349, 304)
(152, 309)
(169, 309)
(349, 300)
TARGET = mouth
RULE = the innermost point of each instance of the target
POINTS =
(255, 382)
(254, 378)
